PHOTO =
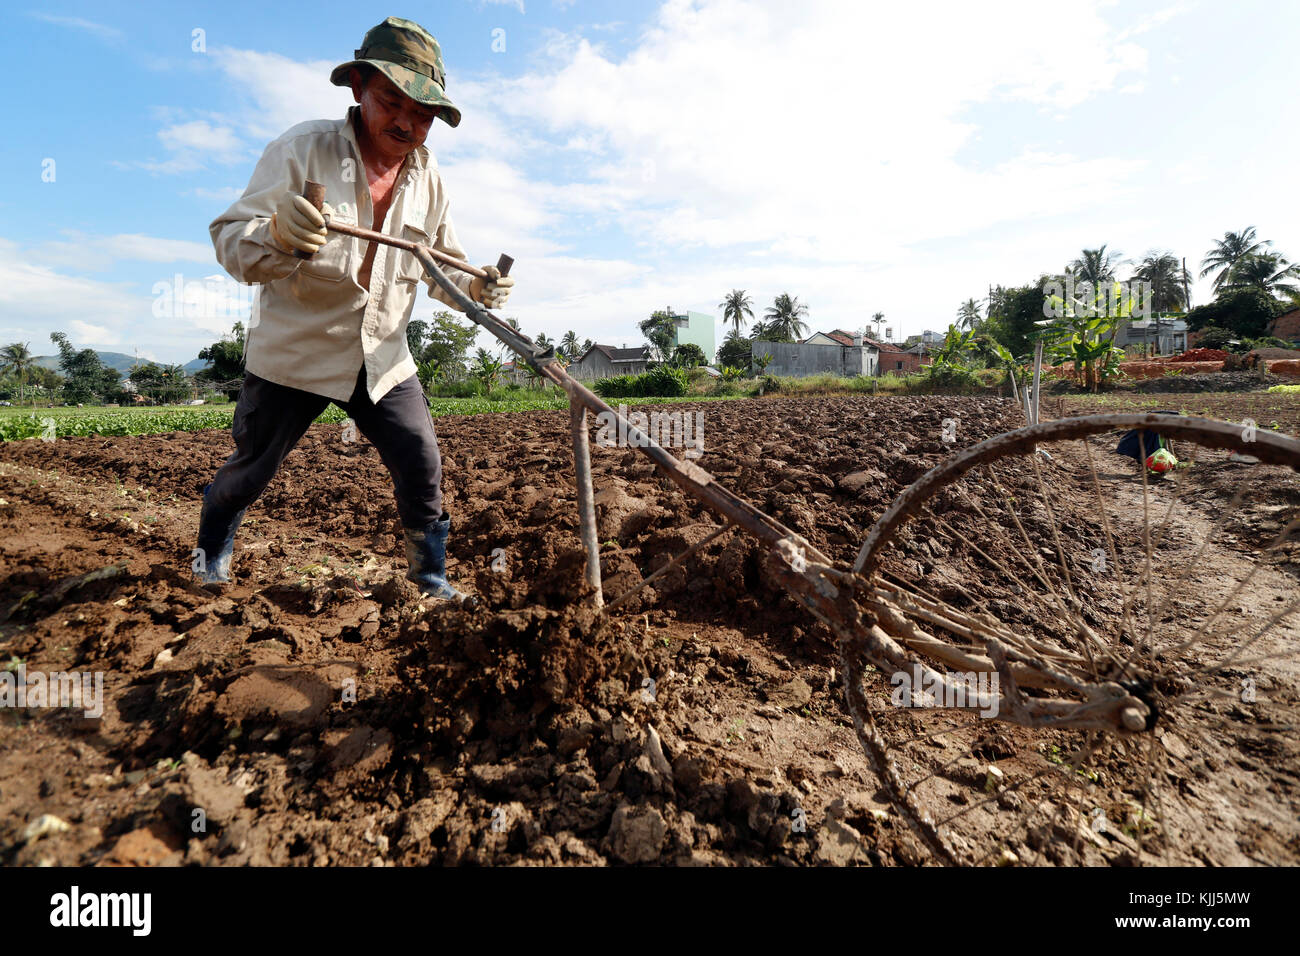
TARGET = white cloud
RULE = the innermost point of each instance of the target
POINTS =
(77, 23)
(226, 194)
(86, 335)
(281, 92)
(193, 145)
(1155, 20)
(79, 250)
(732, 124)
(828, 155)
(35, 295)
(219, 142)
(40, 293)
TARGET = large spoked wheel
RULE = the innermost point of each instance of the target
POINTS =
(1128, 645)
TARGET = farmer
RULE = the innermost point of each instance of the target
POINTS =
(331, 325)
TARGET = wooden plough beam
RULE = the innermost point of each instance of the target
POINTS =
(857, 614)
(692, 479)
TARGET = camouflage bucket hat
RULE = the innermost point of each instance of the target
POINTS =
(407, 54)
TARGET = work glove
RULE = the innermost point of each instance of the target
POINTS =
(298, 225)
(492, 291)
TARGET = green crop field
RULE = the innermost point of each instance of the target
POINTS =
(22, 423)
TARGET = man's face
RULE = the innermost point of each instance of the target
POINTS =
(394, 123)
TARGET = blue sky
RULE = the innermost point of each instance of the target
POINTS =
(632, 155)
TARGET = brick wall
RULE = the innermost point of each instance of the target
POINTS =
(1287, 326)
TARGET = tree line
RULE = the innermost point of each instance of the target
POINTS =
(1079, 311)
(83, 378)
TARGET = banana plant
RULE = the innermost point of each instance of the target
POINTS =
(954, 354)
(1002, 358)
(429, 374)
(1082, 330)
(487, 369)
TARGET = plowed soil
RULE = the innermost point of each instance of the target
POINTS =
(319, 711)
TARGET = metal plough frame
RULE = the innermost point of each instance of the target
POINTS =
(874, 621)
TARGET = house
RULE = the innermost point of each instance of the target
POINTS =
(517, 372)
(838, 337)
(822, 353)
(1286, 327)
(694, 328)
(910, 360)
(893, 359)
(927, 338)
(1167, 333)
(886, 357)
(606, 361)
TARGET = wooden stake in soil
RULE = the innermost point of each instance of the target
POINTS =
(1038, 372)
(586, 499)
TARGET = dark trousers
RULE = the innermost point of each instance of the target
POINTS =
(271, 418)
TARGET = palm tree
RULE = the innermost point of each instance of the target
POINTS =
(878, 319)
(17, 360)
(175, 385)
(968, 315)
(1096, 267)
(1266, 271)
(999, 298)
(735, 307)
(1167, 278)
(543, 341)
(785, 317)
(569, 344)
(1228, 251)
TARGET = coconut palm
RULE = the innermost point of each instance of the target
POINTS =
(735, 307)
(1096, 267)
(999, 300)
(1167, 278)
(17, 360)
(569, 345)
(543, 341)
(1228, 251)
(1266, 271)
(785, 317)
(877, 320)
(968, 315)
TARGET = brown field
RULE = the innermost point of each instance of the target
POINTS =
(518, 731)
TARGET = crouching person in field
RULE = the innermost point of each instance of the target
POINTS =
(332, 326)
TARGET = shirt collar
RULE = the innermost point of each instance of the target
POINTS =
(418, 157)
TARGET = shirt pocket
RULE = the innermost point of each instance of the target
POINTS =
(409, 269)
(332, 263)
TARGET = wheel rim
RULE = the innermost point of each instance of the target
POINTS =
(1133, 608)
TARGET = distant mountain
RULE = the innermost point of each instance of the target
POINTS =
(120, 362)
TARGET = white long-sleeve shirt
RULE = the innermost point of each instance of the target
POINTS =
(314, 326)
